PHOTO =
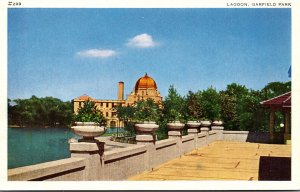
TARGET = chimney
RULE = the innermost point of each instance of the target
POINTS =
(121, 91)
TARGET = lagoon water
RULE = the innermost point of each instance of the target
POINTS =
(29, 146)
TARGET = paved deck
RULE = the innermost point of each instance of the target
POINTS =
(221, 160)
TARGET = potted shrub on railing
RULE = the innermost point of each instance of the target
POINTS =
(217, 120)
(146, 115)
(175, 120)
(89, 122)
(193, 110)
(193, 123)
(217, 123)
(205, 122)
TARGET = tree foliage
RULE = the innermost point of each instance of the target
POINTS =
(274, 89)
(237, 106)
(193, 109)
(211, 104)
(141, 111)
(173, 106)
(88, 112)
(241, 108)
(47, 111)
(146, 111)
(125, 113)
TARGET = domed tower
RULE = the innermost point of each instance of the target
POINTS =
(145, 88)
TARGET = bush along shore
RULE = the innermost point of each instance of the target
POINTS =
(39, 112)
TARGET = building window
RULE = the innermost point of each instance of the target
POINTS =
(113, 124)
(106, 114)
(101, 104)
(113, 114)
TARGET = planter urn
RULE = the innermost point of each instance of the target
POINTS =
(193, 126)
(205, 123)
(146, 127)
(145, 132)
(217, 126)
(217, 123)
(88, 130)
(205, 126)
(175, 129)
(176, 125)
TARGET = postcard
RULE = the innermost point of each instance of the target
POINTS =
(161, 95)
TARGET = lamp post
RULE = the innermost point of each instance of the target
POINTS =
(281, 125)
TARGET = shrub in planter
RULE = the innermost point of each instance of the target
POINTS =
(175, 119)
(205, 122)
(146, 114)
(89, 121)
(173, 110)
(89, 113)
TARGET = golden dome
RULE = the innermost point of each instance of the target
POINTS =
(145, 82)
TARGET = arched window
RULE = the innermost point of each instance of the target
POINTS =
(113, 124)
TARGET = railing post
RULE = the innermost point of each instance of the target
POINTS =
(145, 136)
(193, 129)
(175, 132)
(93, 153)
(205, 127)
(218, 128)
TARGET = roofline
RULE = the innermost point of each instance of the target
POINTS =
(262, 102)
(289, 98)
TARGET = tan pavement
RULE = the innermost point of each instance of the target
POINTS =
(221, 160)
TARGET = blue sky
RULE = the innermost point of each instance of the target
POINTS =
(65, 53)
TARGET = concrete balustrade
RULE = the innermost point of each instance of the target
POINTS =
(89, 161)
(235, 135)
(64, 169)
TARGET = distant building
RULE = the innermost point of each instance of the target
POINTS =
(145, 88)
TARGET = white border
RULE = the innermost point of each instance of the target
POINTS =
(134, 185)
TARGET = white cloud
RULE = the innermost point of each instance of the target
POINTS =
(141, 41)
(100, 53)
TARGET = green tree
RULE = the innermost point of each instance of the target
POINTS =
(173, 109)
(193, 109)
(146, 111)
(211, 103)
(251, 115)
(236, 90)
(125, 113)
(173, 105)
(9, 111)
(89, 113)
(230, 99)
(36, 111)
(274, 89)
(228, 110)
